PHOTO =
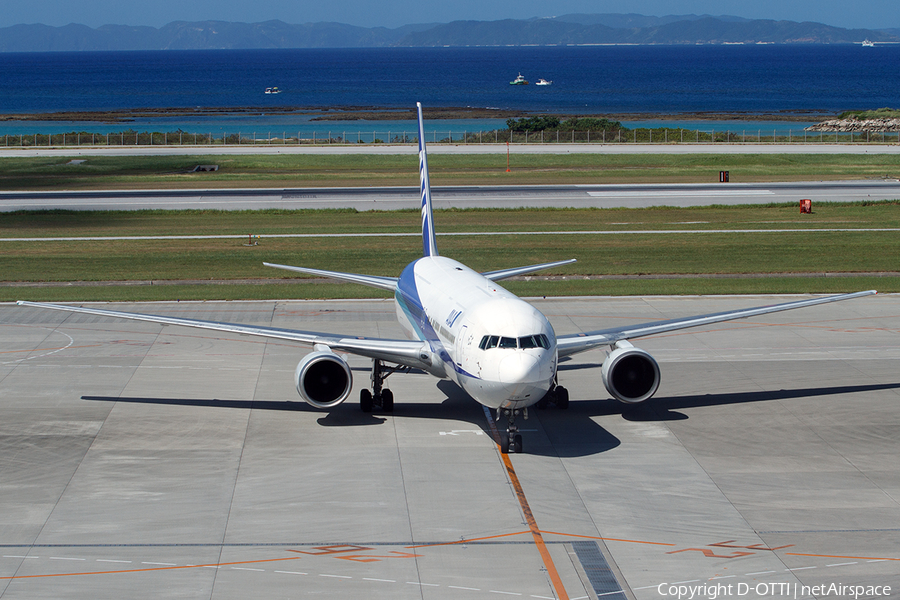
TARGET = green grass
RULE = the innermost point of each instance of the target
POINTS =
(621, 253)
(879, 113)
(142, 172)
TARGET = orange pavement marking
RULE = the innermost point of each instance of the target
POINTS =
(243, 562)
(561, 593)
(469, 541)
(606, 539)
(535, 532)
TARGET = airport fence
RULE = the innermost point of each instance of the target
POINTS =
(617, 136)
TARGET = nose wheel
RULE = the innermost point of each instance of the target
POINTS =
(512, 439)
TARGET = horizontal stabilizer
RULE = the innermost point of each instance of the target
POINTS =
(385, 283)
(507, 273)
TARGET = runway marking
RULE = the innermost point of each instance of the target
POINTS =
(687, 193)
(113, 561)
(869, 558)
(529, 516)
(138, 238)
(54, 351)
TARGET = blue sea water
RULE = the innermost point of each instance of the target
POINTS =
(586, 79)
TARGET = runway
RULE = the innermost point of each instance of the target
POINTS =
(433, 148)
(396, 198)
(142, 461)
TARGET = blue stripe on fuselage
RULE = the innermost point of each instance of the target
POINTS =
(407, 297)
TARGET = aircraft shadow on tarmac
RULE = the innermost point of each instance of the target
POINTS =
(570, 433)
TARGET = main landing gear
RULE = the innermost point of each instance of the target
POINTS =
(558, 396)
(378, 397)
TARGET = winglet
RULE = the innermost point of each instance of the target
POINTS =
(429, 248)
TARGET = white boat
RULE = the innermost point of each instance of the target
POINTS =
(273, 90)
(520, 80)
(543, 82)
(868, 43)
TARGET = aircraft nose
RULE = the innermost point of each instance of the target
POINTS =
(519, 367)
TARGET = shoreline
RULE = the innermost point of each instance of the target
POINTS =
(363, 113)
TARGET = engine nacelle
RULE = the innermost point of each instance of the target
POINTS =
(630, 374)
(323, 379)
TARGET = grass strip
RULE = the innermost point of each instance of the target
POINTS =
(616, 254)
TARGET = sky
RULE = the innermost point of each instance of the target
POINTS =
(868, 14)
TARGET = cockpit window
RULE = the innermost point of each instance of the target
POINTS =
(506, 342)
(489, 341)
(534, 341)
(538, 340)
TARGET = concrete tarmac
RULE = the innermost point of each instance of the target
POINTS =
(140, 461)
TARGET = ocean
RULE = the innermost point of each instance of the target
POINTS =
(747, 79)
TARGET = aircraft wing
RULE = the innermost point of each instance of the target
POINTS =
(579, 342)
(385, 283)
(405, 352)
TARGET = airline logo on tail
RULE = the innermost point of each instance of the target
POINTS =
(429, 248)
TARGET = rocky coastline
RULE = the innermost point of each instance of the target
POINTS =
(853, 125)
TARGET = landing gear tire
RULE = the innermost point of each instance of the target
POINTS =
(512, 437)
(378, 397)
(365, 401)
(387, 400)
(562, 397)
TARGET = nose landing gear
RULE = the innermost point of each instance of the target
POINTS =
(512, 437)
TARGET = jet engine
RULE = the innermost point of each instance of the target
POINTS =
(630, 374)
(323, 379)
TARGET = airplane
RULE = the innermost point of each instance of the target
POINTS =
(464, 327)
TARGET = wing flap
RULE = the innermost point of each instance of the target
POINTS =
(574, 343)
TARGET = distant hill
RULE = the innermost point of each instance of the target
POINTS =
(565, 29)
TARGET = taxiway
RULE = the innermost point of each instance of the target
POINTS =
(143, 461)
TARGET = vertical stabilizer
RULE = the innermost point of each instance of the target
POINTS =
(429, 248)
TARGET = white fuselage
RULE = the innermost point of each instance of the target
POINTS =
(498, 348)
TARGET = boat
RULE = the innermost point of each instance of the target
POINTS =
(520, 80)
(543, 82)
(867, 43)
(273, 90)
